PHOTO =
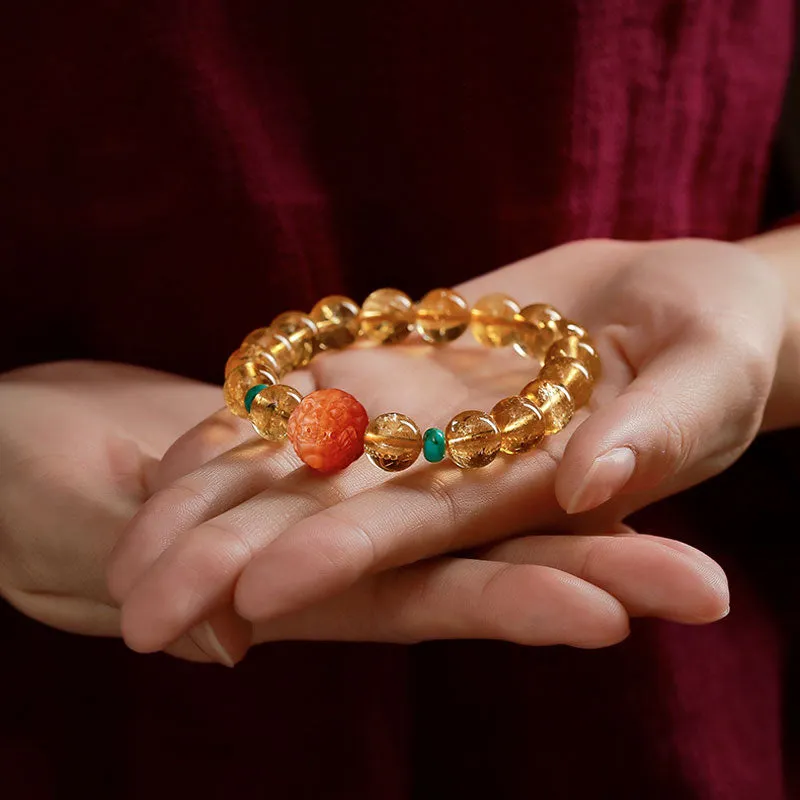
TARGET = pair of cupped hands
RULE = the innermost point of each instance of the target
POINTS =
(131, 505)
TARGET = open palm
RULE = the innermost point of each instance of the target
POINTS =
(689, 333)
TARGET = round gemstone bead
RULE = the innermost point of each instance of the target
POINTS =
(521, 424)
(327, 429)
(553, 400)
(275, 345)
(387, 316)
(537, 331)
(301, 331)
(250, 353)
(566, 327)
(271, 409)
(336, 318)
(434, 445)
(495, 319)
(392, 442)
(473, 439)
(240, 380)
(572, 375)
(582, 349)
(442, 316)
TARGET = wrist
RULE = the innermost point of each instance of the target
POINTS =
(780, 250)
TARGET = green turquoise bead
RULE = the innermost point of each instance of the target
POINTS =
(433, 445)
(251, 395)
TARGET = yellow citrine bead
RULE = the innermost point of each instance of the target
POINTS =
(239, 382)
(521, 424)
(495, 320)
(473, 439)
(336, 318)
(582, 349)
(442, 316)
(253, 354)
(301, 331)
(277, 346)
(537, 330)
(392, 442)
(566, 327)
(271, 409)
(553, 400)
(572, 375)
(387, 316)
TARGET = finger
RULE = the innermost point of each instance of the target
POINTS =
(701, 384)
(209, 491)
(649, 575)
(462, 599)
(210, 438)
(413, 516)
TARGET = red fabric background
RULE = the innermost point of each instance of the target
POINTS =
(174, 173)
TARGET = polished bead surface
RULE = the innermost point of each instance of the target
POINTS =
(582, 349)
(271, 409)
(275, 345)
(251, 393)
(521, 424)
(572, 375)
(434, 445)
(537, 331)
(473, 439)
(336, 318)
(566, 327)
(495, 320)
(327, 429)
(392, 442)
(250, 353)
(442, 316)
(387, 316)
(301, 331)
(240, 380)
(553, 400)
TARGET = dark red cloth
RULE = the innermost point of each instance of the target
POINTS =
(174, 173)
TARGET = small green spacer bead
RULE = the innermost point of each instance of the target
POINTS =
(433, 445)
(251, 395)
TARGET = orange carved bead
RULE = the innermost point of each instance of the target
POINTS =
(327, 429)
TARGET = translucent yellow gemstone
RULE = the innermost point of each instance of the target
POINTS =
(582, 349)
(573, 375)
(277, 346)
(442, 316)
(537, 331)
(301, 331)
(521, 424)
(553, 400)
(271, 409)
(495, 320)
(336, 318)
(473, 439)
(250, 353)
(387, 316)
(240, 380)
(393, 442)
(566, 327)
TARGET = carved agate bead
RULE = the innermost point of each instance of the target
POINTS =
(327, 429)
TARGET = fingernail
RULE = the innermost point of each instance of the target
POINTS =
(607, 475)
(206, 639)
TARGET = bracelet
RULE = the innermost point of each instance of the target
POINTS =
(330, 429)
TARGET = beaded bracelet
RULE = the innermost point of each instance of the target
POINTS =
(330, 429)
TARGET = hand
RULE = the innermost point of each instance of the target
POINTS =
(78, 444)
(81, 449)
(689, 333)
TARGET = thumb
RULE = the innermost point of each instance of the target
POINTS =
(687, 415)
